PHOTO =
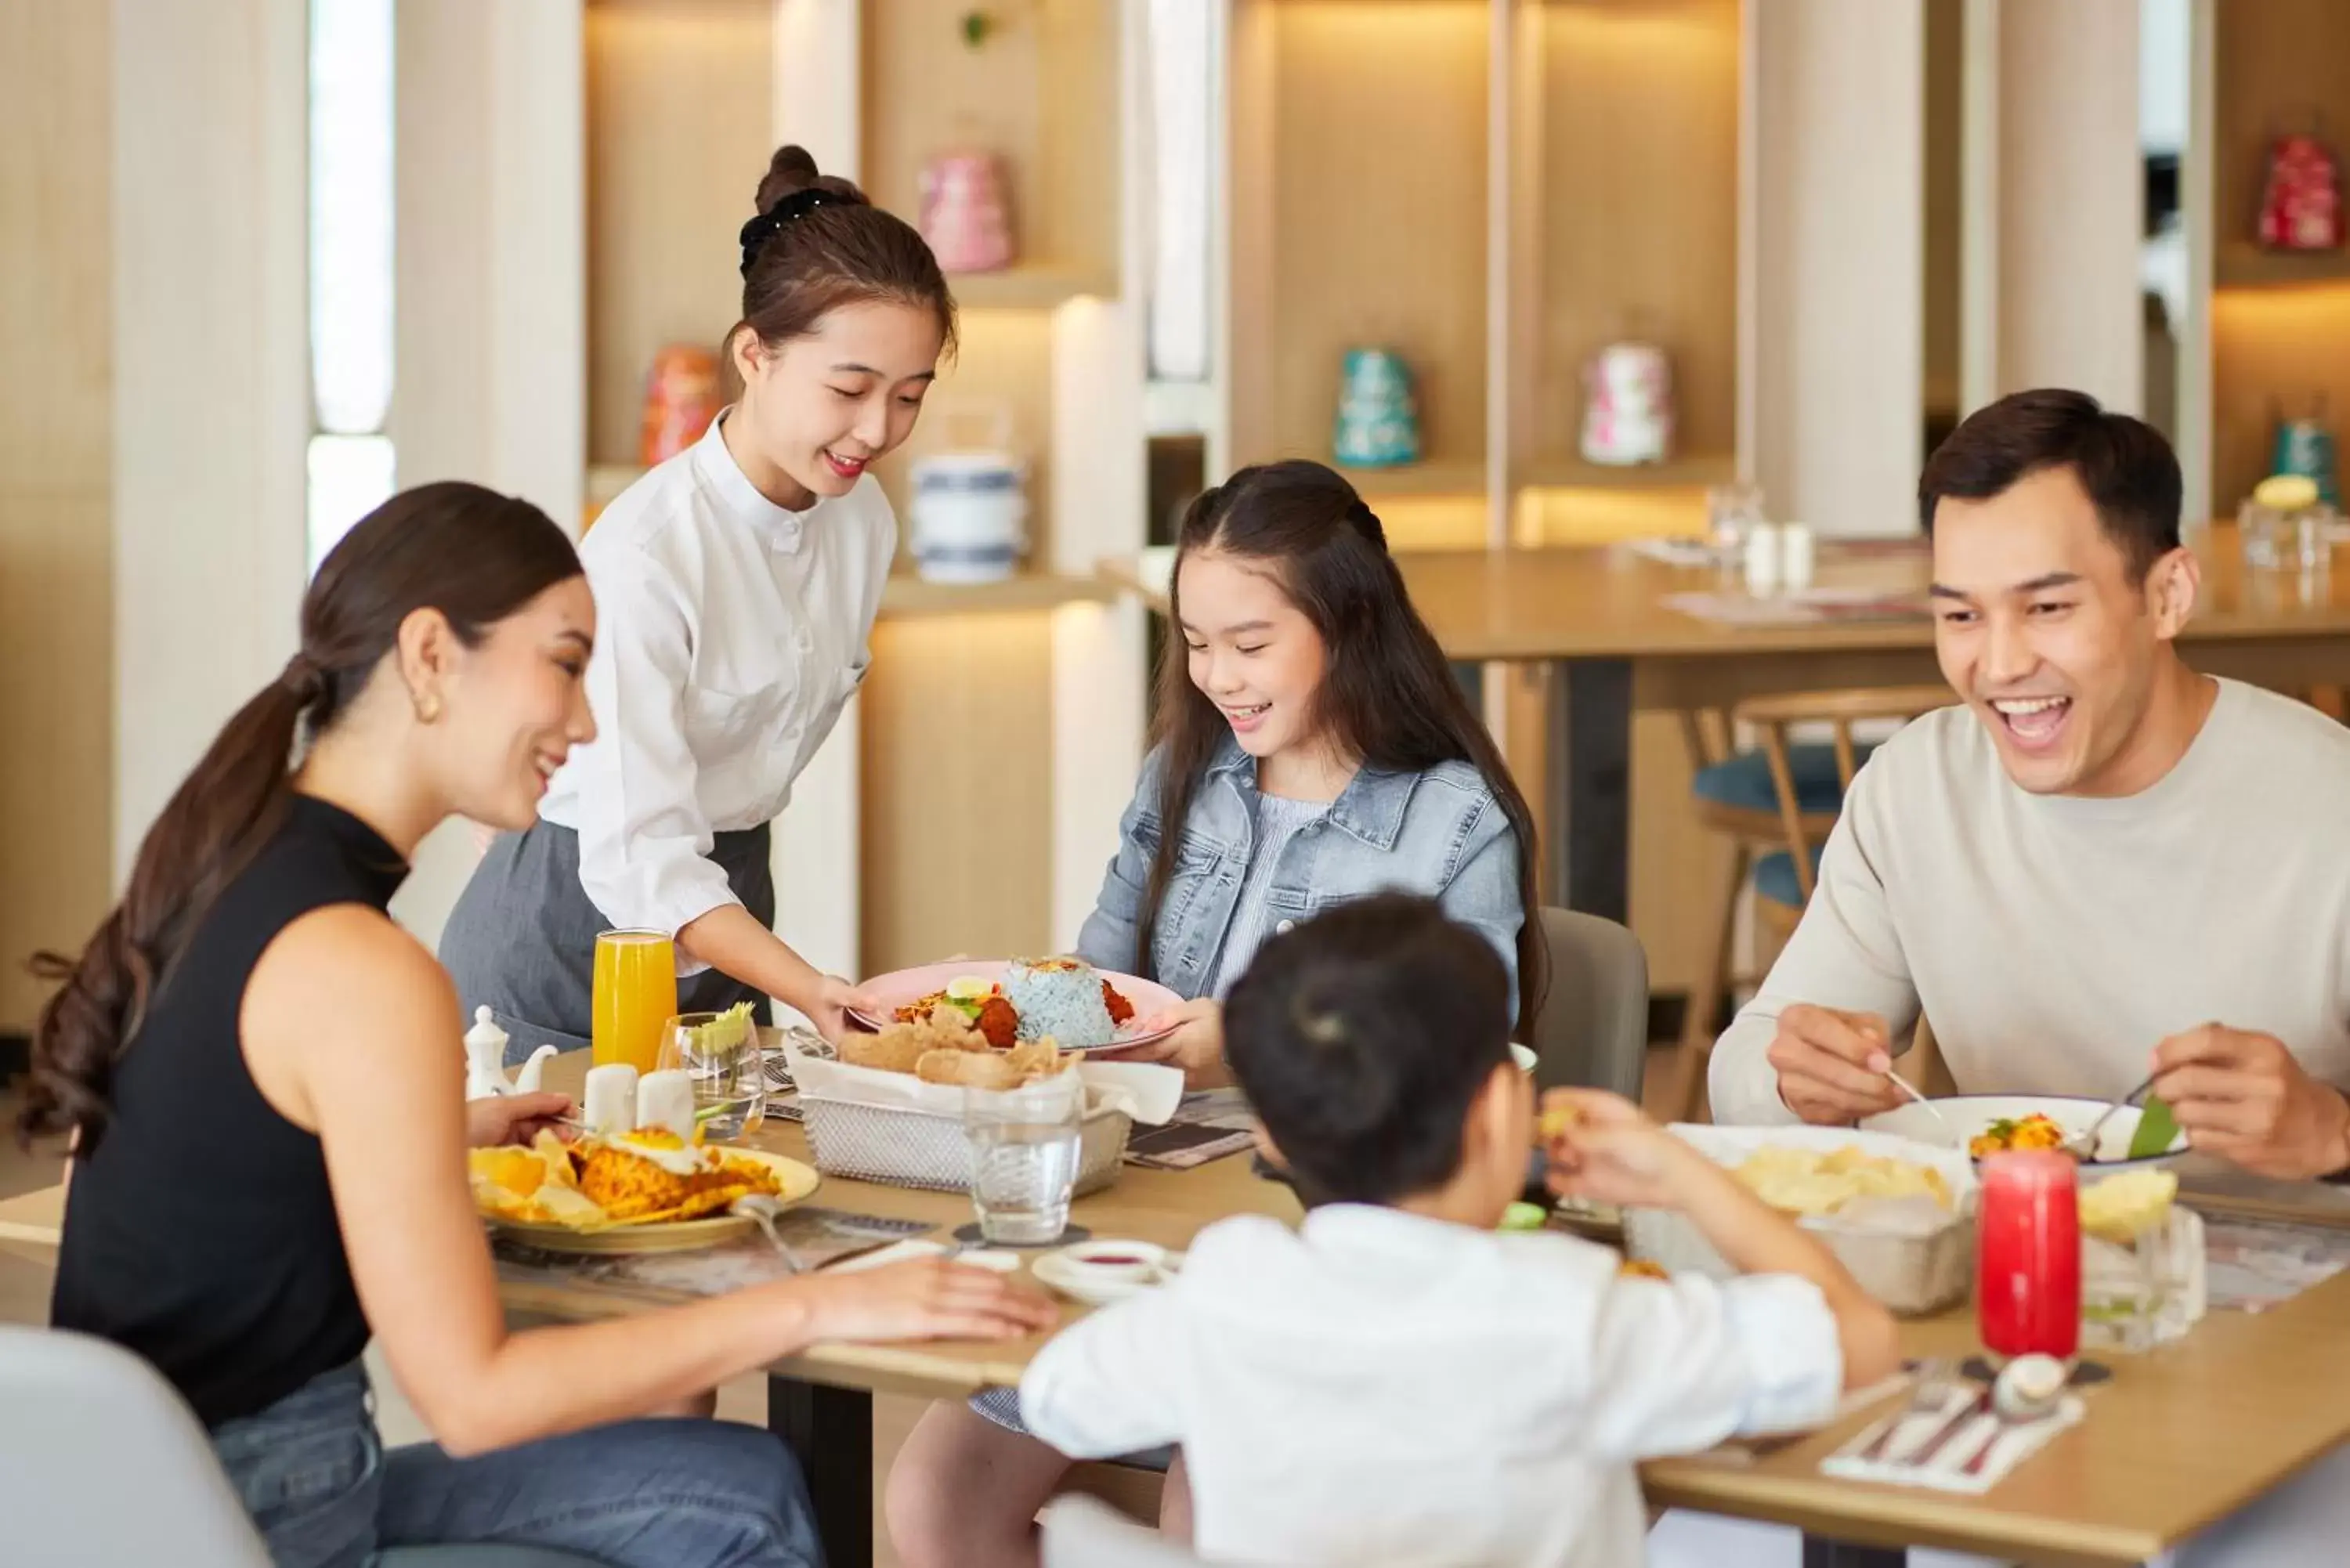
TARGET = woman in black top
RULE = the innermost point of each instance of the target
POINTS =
(259, 1070)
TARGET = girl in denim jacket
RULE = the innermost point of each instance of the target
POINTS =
(1313, 744)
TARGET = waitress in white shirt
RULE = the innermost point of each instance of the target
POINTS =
(736, 586)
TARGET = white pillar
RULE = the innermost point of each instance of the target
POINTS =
(1830, 391)
(211, 380)
(490, 360)
(2054, 171)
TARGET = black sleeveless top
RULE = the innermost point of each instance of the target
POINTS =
(201, 1234)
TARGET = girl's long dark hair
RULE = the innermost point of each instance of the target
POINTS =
(1387, 696)
(472, 554)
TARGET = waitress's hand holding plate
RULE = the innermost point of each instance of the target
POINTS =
(835, 999)
(1832, 1064)
(2241, 1095)
(928, 1298)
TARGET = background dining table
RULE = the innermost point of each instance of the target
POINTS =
(2180, 1438)
(1601, 624)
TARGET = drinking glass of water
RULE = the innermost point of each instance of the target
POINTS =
(1024, 1159)
(720, 1053)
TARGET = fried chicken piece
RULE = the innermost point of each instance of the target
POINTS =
(999, 1022)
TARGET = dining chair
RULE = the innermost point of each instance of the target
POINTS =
(1082, 1531)
(1593, 1031)
(1785, 871)
(101, 1464)
(1734, 793)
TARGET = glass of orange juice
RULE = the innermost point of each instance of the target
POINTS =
(636, 996)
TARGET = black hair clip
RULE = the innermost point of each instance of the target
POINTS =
(762, 228)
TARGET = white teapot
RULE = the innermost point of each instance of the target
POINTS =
(485, 1060)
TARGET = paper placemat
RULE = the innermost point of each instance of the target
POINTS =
(1970, 1458)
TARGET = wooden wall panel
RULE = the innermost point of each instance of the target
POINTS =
(957, 830)
(1639, 221)
(1041, 93)
(1374, 119)
(680, 114)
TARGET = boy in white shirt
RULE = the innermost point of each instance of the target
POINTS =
(1398, 1384)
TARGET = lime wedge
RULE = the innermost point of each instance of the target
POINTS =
(1523, 1217)
(2156, 1130)
(968, 988)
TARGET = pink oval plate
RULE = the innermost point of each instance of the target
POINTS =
(895, 990)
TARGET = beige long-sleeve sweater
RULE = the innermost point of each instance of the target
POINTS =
(2053, 939)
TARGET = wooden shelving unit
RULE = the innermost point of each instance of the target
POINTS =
(2243, 264)
(2280, 323)
(907, 598)
(1494, 190)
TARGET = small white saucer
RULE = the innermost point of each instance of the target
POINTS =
(1059, 1272)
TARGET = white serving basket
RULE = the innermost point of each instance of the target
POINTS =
(1912, 1271)
(891, 1128)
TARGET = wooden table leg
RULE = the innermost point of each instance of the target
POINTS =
(1820, 1554)
(1590, 768)
(830, 1430)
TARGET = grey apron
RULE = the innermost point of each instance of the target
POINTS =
(521, 940)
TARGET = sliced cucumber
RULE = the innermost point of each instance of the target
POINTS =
(2157, 1130)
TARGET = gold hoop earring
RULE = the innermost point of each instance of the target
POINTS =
(428, 708)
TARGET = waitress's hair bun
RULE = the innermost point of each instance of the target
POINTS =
(817, 243)
(792, 169)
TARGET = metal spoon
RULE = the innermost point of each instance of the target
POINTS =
(764, 1209)
(2085, 1148)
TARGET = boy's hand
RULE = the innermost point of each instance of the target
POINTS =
(1601, 1147)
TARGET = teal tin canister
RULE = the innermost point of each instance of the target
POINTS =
(1378, 417)
(2306, 447)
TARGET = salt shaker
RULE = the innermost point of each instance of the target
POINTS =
(1763, 559)
(610, 1106)
(1794, 554)
(665, 1099)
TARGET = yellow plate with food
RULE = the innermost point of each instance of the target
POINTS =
(644, 1191)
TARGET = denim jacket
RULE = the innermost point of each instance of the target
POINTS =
(1440, 834)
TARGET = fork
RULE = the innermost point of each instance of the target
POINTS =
(2085, 1148)
(1927, 1394)
(764, 1209)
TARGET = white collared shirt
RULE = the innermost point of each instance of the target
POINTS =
(729, 633)
(1389, 1390)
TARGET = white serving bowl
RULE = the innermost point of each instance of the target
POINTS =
(1971, 1114)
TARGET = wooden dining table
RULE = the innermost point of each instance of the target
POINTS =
(1602, 619)
(2177, 1438)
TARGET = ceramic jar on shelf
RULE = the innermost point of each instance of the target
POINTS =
(1627, 407)
(966, 214)
(1377, 421)
(970, 511)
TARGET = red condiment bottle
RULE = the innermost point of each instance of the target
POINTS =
(2028, 1278)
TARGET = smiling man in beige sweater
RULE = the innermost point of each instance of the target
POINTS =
(2101, 865)
(2102, 862)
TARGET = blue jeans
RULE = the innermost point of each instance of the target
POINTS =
(638, 1495)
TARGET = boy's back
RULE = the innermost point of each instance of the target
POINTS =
(1388, 1389)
